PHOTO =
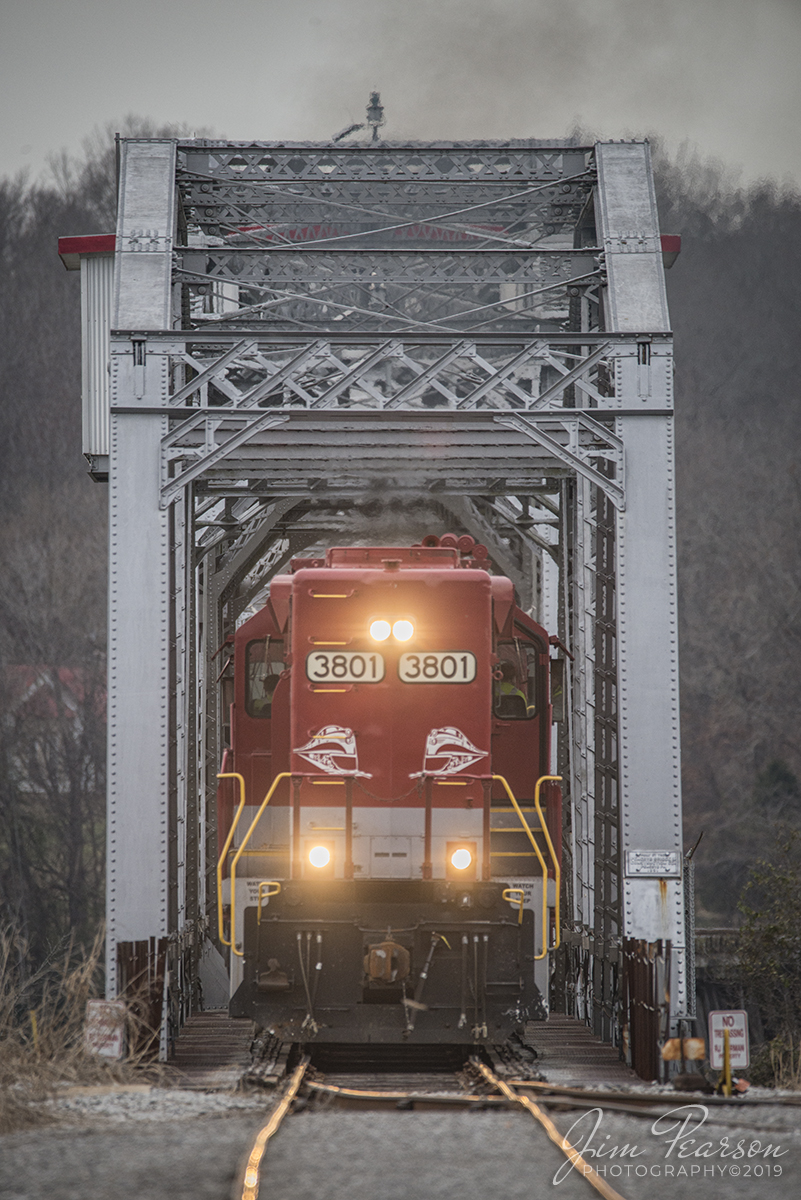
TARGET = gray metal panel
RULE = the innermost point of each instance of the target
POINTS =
(97, 285)
(139, 735)
(629, 232)
(138, 684)
(648, 640)
(650, 755)
(145, 228)
(649, 758)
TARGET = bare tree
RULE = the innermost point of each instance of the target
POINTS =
(52, 718)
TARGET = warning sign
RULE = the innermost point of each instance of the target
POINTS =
(104, 1031)
(736, 1021)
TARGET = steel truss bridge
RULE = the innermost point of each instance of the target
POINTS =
(289, 345)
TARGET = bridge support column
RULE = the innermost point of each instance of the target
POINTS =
(140, 837)
(651, 852)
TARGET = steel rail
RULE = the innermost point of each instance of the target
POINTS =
(592, 1177)
(561, 1098)
(157, 338)
(250, 1182)
(350, 1093)
(733, 1102)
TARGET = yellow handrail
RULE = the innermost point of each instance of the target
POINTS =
(516, 896)
(264, 891)
(557, 873)
(225, 849)
(557, 870)
(238, 855)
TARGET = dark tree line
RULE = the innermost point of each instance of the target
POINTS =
(735, 300)
(734, 305)
(52, 564)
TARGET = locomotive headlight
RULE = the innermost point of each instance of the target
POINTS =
(403, 630)
(319, 856)
(461, 858)
(380, 630)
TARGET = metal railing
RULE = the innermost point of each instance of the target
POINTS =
(223, 855)
(546, 949)
(238, 855)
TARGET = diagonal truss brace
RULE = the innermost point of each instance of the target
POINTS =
(499, 379)
(612, 488)
(213, 370)
(248, 400)
(574, 375)
(171, 490)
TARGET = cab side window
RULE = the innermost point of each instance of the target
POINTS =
(515, 690)
(264, 662)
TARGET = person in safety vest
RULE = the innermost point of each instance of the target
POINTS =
(507, 692)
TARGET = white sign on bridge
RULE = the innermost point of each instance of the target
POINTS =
(736, 1021)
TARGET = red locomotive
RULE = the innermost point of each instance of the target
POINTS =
(389, 826)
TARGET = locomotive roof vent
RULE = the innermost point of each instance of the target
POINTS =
(467, 545)
(381, 556)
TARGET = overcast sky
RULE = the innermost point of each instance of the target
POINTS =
(721, 74)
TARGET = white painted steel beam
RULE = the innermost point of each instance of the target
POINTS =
(138, 883)
(650, 782)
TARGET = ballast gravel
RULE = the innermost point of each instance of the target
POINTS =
(150, 1104)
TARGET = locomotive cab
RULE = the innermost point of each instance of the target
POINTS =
(389, 849)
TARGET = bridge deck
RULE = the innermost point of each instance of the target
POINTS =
(568, 1052)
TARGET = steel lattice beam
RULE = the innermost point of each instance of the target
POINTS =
(461, 266)
(272, 162)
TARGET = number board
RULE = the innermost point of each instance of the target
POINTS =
(454, 666)
(346, 666)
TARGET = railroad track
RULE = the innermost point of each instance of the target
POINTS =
(476, 1086)
(434, 1079)
(495, 1092)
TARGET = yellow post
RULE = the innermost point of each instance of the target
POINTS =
(226, 848)
(726, 1064)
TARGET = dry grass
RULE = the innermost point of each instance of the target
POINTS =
(777, 1063)
(41, 1030)
(785, 1061)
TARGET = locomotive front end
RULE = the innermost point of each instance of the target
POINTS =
(375, 907)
